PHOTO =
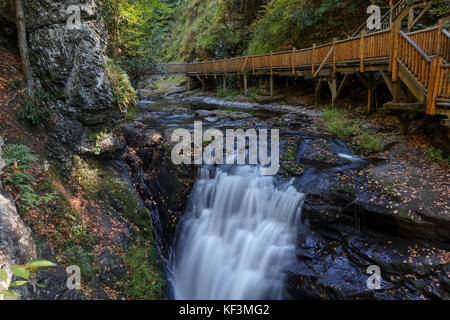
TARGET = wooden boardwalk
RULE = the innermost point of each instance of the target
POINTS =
(417, 61)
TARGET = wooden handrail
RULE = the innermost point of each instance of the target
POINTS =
(446, 33)
(415, 46)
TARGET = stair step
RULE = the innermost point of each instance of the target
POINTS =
(406, 106)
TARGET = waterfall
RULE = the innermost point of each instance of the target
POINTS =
(237, 238)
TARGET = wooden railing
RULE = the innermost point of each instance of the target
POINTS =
(432, 42)
(444, 84)
(425, 53)
(376, 45)
(415, 59)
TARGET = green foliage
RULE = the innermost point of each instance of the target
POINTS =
(25, 272)
(227, 94)
(336, 124)
(437, 155)
(298, 23)
(145, 276)
(204, 29)
(86, 176)
(123, 92)
(135, 32)
(340, 126)
(19, 154)
(98, 138)
(34, 108)
(13, 84)
(18, 159)
(252, 93)
(31, 111)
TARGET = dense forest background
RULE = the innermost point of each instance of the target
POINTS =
(144, 31)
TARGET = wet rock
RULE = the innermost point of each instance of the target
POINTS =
(222, 114)
(268, 99)
(138, 135)
(175, 90)
(211, 119)
(16, 242)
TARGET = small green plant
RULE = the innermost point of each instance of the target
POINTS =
(31, 111)
(226, 94)
(44, 96)
(336, 124)
(98, 138)
(19, 154)
(18, 159)
(86, 176)
(26, 273)
(13, 84)
(340, 126)
(123, 92)
(370, 142)
(252, 94)
(437, 155)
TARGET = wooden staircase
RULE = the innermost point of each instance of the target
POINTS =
(421, 64)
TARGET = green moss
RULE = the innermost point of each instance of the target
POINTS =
(323, 157)
(145, 278)
(343, 189)
(289, 153)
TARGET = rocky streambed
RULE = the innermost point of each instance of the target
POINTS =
(355, 214)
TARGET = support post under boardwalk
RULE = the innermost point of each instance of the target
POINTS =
(245, 83)
(271, 85)
(397, 91)
(204, 84)
(333, 88)
(224, 83)
(318, 85)
(371, 100)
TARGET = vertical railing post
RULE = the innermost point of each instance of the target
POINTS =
(440, 38)
(293, 61)
(253, 64)
(361, 51)
(313, 57)
(433, 88)
(334, 55)
(271, 74)
(271, 62)
(396, 29)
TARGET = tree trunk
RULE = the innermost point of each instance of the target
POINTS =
(23, 47)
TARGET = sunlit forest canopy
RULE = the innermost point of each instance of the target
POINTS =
(143, 31)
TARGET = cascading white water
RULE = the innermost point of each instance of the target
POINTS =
(237, 238)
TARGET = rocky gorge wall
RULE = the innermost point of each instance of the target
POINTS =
(70, 66)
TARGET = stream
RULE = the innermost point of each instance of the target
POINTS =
(243, 236)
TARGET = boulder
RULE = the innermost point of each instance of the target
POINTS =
(68, 64)
(16, 243)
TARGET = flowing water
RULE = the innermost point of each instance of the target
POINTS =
(237, 238)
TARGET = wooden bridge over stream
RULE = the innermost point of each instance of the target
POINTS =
(414, 65)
